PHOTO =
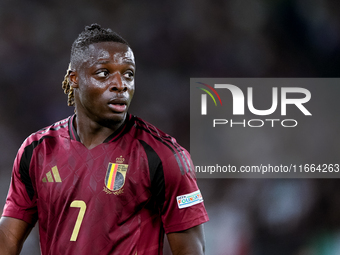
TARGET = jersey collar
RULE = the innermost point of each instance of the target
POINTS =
(114, 136)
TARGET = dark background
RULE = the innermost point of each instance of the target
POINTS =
(173, 41)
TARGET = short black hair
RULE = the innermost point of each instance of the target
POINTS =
(92, 34)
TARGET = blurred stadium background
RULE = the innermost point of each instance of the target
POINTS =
(173, 41)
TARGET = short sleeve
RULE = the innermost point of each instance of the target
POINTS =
(183, 206)
(21, 199)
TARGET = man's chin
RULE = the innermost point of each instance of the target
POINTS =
(113, 120)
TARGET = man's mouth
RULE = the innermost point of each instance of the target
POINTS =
(118, 105)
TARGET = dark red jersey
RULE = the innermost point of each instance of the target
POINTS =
(117, 198)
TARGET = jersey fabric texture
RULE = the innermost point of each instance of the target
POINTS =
(117, 198)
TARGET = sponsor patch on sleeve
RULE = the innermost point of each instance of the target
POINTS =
(188, 200)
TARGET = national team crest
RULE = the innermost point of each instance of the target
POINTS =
(115, 176)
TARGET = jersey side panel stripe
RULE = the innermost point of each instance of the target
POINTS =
(25, 162)
(187, 162)
(156, 174)
(170, 141)
(175, 150)
(26, 157)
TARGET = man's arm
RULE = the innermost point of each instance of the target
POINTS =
(188, 242)
(13, 233)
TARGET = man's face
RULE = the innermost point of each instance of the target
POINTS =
(104, 83)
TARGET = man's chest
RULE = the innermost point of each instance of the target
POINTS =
(110, 174)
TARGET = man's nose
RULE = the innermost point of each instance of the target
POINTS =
(117, 84)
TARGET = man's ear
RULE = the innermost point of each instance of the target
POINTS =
(73, 79)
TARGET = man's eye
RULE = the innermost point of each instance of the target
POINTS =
(102, 74)
(129, 75)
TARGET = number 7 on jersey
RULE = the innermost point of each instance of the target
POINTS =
(81, 204)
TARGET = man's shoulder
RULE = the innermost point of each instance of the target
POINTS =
(149, 132)
(148, 127)
(158, 140)
(59, 128)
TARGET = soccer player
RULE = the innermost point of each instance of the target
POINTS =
(103, 181)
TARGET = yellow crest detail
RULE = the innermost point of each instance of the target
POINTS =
(115, 176)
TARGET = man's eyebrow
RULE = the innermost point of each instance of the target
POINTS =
(127, 61)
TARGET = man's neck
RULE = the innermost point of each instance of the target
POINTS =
(92, 133)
